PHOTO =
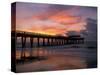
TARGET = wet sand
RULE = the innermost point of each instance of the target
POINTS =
(52, 63)
(58, 58)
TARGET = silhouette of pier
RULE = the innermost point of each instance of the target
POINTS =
(47, 40)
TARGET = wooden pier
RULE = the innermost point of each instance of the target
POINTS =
(47, 40)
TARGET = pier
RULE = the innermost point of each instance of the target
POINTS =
(47, 40)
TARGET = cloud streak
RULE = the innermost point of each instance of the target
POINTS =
(52, 19)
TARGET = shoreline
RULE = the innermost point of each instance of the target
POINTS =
(53, 63)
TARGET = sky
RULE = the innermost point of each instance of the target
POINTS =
(53, 19)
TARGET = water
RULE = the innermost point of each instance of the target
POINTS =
(79, 55)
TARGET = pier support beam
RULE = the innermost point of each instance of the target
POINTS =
(31, 45)
(48, 41)
(43, 41)
(23, 40)
(52, 42)
(38, 42)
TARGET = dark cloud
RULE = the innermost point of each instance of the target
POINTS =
(91, 30)
(90, 34)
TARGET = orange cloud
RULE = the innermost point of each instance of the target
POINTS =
(77, 27)
(59, 23)
(48, 30)
(65, 19)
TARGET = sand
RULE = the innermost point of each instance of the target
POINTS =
(58, 62)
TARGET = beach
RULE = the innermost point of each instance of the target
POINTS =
(58, 58)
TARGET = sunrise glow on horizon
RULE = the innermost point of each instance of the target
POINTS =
(52, 19)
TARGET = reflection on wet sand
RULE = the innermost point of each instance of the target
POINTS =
(57, 59)
(58, 62)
